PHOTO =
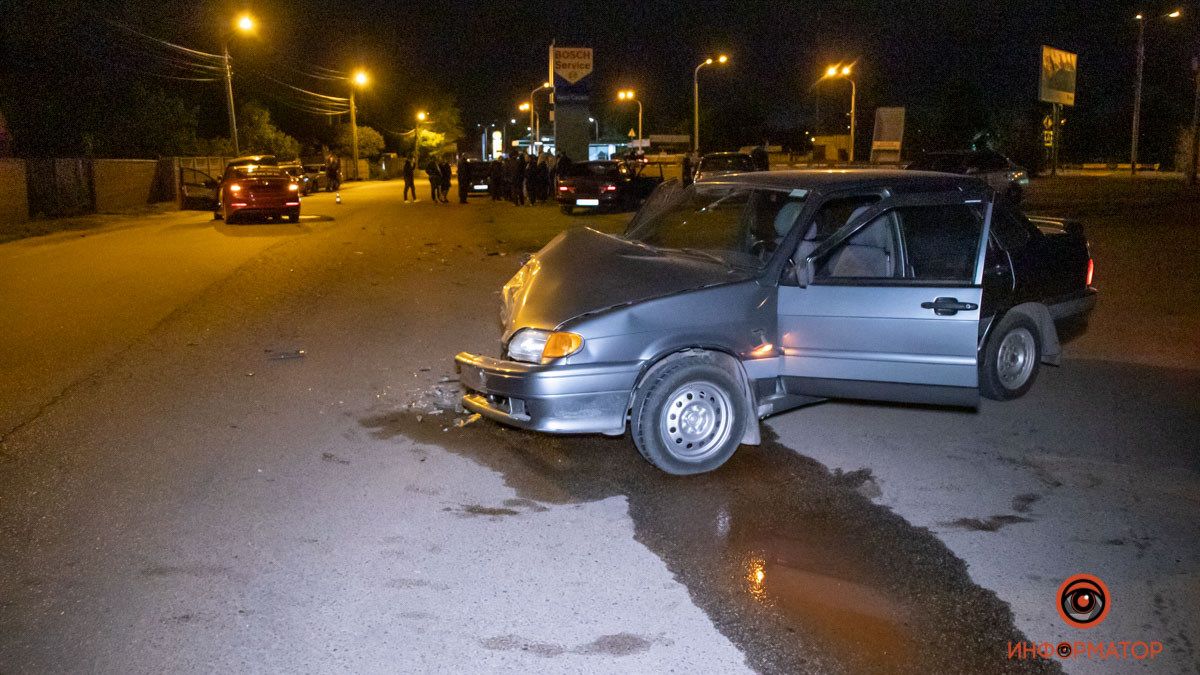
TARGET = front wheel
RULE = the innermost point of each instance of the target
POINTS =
(1011, 359)
(689, 416)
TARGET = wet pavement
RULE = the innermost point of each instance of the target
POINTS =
(793, 563)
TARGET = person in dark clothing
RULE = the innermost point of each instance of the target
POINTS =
(446, 174)
(531, 186)
(334, 171)
(541, 179)
(409, 178)
(464, 179)
(518, 180)
(762, 161)
(435, 180)
(496, 180)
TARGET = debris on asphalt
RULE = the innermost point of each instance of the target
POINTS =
(293, 354)
(464, 421)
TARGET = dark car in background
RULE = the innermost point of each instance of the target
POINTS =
(607, 184)
(248, 190)
(1001, 173)
(316, 177)
(722, 163)
(745, 296)
(296, 171)
(477, 176)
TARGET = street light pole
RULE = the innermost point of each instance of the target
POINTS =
(596, 127)
(233, 135)
(359, 79)
(853, 112)
(417, 139)
(534, 120)
(696, 100)
(1195, 122)
(1137, 94)
(631, 95)
(1137, 86)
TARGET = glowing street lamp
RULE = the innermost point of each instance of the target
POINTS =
(534, 122)
(722, 59)
(421, 117)
(244, 23)
(631, 95)
(1137, 86)
(844, 72)
(358, 79)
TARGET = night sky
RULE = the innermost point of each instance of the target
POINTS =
(487, 56)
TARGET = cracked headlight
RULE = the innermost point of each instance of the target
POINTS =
(536, 346)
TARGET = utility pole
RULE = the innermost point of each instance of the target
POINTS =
(1137, 96)
(233, 135)
(354, 134)
(1195, 122)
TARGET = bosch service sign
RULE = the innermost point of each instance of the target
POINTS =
(571, 67)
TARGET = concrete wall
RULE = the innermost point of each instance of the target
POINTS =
(122, 184)
(14, 205)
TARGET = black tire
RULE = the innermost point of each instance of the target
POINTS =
(1011, 359)
(293, 217)
(567, 209)
(703, 389)
(217, 215)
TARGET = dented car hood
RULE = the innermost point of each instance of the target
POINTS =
(582, 271)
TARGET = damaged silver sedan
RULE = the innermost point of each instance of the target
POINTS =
(737, 298)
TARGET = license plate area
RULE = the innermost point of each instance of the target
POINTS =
(587, 202)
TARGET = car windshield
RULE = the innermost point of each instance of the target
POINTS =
(593, 169)
(735, 225)
(727, 163)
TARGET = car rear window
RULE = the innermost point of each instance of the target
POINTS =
(258, 171)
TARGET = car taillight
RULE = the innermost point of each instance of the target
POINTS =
(609, 187)
(1091, 271)
(235, 188)
(565, 188)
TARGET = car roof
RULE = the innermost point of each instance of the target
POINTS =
(839, 179)
(252, 159)
(726, 154)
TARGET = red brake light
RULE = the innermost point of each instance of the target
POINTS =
(609, 187)
(1091, 271)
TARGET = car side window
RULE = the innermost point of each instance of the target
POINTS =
(869, 253)
(941, 242)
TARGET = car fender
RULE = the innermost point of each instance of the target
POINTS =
(1040, 315)
(752, 434)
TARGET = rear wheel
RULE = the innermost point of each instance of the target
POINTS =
(567, 209)
(293, 217)
(1011, 359)
(689, 415)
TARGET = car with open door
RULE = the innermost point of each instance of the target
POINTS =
(745, 296)
(257, 191)
(603, 184)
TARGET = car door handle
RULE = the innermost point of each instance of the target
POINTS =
(949, 306)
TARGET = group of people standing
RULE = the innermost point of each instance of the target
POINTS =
(518, 177)
(523, 178)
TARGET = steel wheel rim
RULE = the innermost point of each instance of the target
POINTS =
(696, 421)
(1016, 358)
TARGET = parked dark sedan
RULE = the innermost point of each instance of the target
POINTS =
(602, 185)
(721, 163)
(993, 168)
(731, 300)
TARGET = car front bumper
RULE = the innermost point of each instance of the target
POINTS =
(565, 399)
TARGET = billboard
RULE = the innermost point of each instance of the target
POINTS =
(1058, 76)
(888, 136)
(570, 68)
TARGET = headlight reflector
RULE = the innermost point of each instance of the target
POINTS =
(527, 345)
(536, 346)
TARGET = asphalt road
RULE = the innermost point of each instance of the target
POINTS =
(228, 448)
